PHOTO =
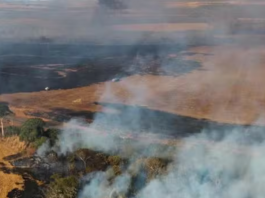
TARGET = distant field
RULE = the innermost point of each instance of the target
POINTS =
(163, 27)
(194, 4)
(225, 89)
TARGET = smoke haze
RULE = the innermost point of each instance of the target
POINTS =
(230, 167)
(95, 21)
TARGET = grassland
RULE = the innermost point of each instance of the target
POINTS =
(9, 181)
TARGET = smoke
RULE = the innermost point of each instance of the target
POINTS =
(226, 163)
(74, 137)
(203, 172)
(200, 170)
(109, 136)
(99, 186)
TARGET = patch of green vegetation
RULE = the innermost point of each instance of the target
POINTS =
(40, 141)
(65, 187)
(32, 129)
(4, 110)
(33, 132)
(52, 134)
(12, 131)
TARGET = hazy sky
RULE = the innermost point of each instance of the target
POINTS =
(89, 19)
(78, 19)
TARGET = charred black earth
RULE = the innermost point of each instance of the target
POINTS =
(32, 67)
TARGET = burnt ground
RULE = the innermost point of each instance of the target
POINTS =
(32, 169)
(31, 187)
(32, 67)
(135, 121)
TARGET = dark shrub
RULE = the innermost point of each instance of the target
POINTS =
(32, 129)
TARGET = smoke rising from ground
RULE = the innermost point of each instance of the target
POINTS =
(232, 167)
(100, 187)
(225, 163)
(202, 172)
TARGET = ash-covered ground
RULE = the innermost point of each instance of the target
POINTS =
(32, 67)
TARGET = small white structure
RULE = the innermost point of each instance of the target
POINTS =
(115, 79)
(47, 88)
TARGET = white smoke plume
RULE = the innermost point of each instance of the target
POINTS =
(210, 172)
(99, 186)
(202, 170)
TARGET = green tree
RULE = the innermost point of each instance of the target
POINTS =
(52, 134)
(65, 187)
(12, 130)
(39, 141)
(32, 129)
(4, 111)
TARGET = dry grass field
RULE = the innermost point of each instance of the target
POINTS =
(9, 146)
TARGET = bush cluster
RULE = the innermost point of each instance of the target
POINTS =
(33, 132)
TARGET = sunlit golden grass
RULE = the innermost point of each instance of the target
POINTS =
(9, 146)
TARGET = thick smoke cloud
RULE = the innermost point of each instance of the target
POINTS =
(230, 168)
(100, 187)
(203, 173)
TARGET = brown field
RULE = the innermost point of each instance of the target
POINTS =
(226, 89)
